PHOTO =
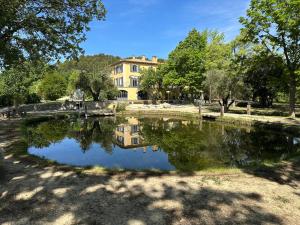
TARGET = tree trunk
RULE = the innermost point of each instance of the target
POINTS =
(95, 97)
(210, 94)
(292, 96)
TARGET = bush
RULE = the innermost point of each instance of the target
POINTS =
(32, 99)
(121, 107)
(6, 100)
(53, 86)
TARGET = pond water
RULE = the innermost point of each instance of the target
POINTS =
(157, 143)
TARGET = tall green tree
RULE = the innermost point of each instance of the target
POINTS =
(53, 86)
(185, 66)
(44, 29)
(217, 63)
(276, 23)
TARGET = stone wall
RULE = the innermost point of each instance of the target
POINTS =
(63, 106)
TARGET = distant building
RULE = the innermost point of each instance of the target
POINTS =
(126, 76)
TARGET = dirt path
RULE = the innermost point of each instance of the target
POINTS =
(30, 194)
(171, 109)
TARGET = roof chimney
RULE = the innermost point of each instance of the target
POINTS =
(144, 58)
(154, 59)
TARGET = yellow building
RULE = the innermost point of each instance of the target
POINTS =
(126, 76)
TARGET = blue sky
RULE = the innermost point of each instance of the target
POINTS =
(154, 27)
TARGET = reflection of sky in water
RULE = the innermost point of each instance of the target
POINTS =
(68, 151)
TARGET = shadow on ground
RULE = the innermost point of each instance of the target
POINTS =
(48, 196)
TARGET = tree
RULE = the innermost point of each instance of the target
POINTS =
(185, 66)
(91, 74)
(17, 81)
(265, 74)
(217, 62)
(99, 84)
(276, 23)
(152, 83)
(44, 29)
(53, 86)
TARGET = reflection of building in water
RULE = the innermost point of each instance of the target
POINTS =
(127, 135)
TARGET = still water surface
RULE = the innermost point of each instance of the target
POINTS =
(157, 143)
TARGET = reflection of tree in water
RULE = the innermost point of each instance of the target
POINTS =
(193, 146)
(190, 145)
(46, 133)
(86, 132)
(259, 145)
(98, 131)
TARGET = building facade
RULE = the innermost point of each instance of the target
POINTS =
(126, 76)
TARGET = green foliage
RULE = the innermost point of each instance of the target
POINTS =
(220, 78)
(53, 86)
(121, 107)
(44, 29)
(32, 98)
(17, 81)
(185, 66)
(265, 75)
(218, 54)
(93, 63)
(91, 74)
(275, 24)
(152, 83)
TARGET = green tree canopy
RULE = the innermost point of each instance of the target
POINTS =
(264, 73)
(91, 74)
(44, 29)
(53, 86)
(17, 81)
(185, 66)
(276, 23)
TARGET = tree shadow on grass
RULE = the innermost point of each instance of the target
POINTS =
(41, 196)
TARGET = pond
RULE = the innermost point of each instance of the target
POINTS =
(157, 143)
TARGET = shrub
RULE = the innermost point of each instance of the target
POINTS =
(53, 86)
(32, 98)
(121, 107)
(6, 100)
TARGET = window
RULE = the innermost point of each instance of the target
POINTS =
(134, 141)
(120, 139)
(119, 69)
(123, 94)
(134, 128)
(120, 84)
(134, 68)
(120, 129)
(134, 82)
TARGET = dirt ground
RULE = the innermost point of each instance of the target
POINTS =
(30, 194)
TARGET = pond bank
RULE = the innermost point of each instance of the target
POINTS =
(33, 193)
(193, 111)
